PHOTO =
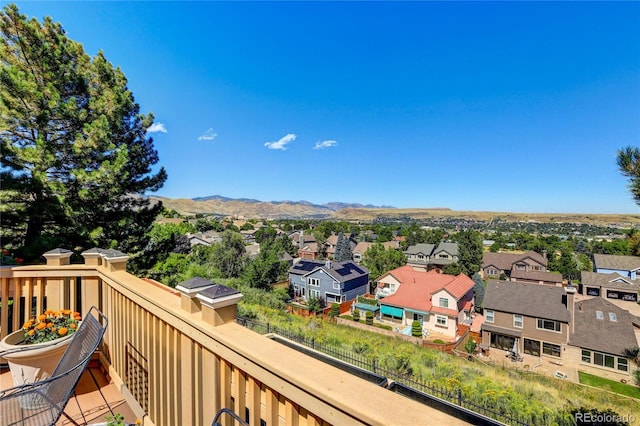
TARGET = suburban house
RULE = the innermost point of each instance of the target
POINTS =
(532, 317)
(360, 249)
(609, 286)
(440, 302)
(495, 265)
(429, 256)
(600, 334)
(328, 281)
(627, 266)
(549, 323)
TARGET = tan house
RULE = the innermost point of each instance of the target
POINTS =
(537, 277)
(549, 323)
(361, 248)
(495, 265)
(531, 318)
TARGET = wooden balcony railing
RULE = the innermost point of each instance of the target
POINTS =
(180, 357)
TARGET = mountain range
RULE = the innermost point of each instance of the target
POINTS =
(249, 207)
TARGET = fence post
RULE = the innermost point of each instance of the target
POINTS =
(460, 397)
(373, 365)
(313, 343)
(268, 328)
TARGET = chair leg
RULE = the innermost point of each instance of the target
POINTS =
(100, 390)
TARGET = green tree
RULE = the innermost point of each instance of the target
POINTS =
(478, 289)
(469, 251)
(267, 267)
(379, 259)
(76, 159)
(229, 255)
(343, 249)
(629, 165)
(470, 346)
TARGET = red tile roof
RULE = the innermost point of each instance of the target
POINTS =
(417, 287)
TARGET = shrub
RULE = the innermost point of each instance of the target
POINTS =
(356, 315)
(439, 341)
(369, 318)
(335, 310)
(416, 329)
(470, 346)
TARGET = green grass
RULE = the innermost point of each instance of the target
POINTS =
(610, 385)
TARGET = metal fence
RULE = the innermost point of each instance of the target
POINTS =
(408, 380)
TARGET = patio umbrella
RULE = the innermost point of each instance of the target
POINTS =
(515, 347)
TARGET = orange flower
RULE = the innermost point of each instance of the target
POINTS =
(50, 325)
(31, 332)
(63, 331)
(42, 317)
(27, 324)
(72, 325)
(65, 312)
(76, 314)
(41, 326)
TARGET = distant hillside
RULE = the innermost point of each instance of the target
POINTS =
(418, 214)
(251, 208)
(224, 206)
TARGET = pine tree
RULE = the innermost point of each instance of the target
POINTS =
(343, 249)
(629, 165)
(76, 159)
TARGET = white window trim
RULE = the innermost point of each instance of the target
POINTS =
(312, 280)
(446, 321)
(445, 304)
(493, 315)
(546, 329)
(521, 321)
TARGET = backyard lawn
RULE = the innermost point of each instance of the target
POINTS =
(610, 385)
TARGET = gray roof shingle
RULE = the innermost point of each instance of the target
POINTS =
(603, 335)
(533, 300)
(611, 261)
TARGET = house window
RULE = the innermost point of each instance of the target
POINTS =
(492, 271)
(623, 364)
(441, 320)
(336, 286)
(420, 257)
(314, 294)
(545, 324)
(444, 302)
(488, 315)
(521, 267)
(501, 341)
(551, 349)
(532, 347)
(313, 281)
(443, 256)
(517, 321)
(605, 360)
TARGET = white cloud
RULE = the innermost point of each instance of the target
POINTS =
(280, 144)
(209, 135)
(325, 144)
(157, 127)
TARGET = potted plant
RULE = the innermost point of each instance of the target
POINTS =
(33, 351)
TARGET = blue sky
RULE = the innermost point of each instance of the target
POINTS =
(506, 106)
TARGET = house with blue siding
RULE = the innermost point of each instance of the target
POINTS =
(627, 266)
(328, 281)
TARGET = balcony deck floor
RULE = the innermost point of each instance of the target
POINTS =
(93, 406)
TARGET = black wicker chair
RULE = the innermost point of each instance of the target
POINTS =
(48, 398)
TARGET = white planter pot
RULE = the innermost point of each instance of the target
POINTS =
(35, 364)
